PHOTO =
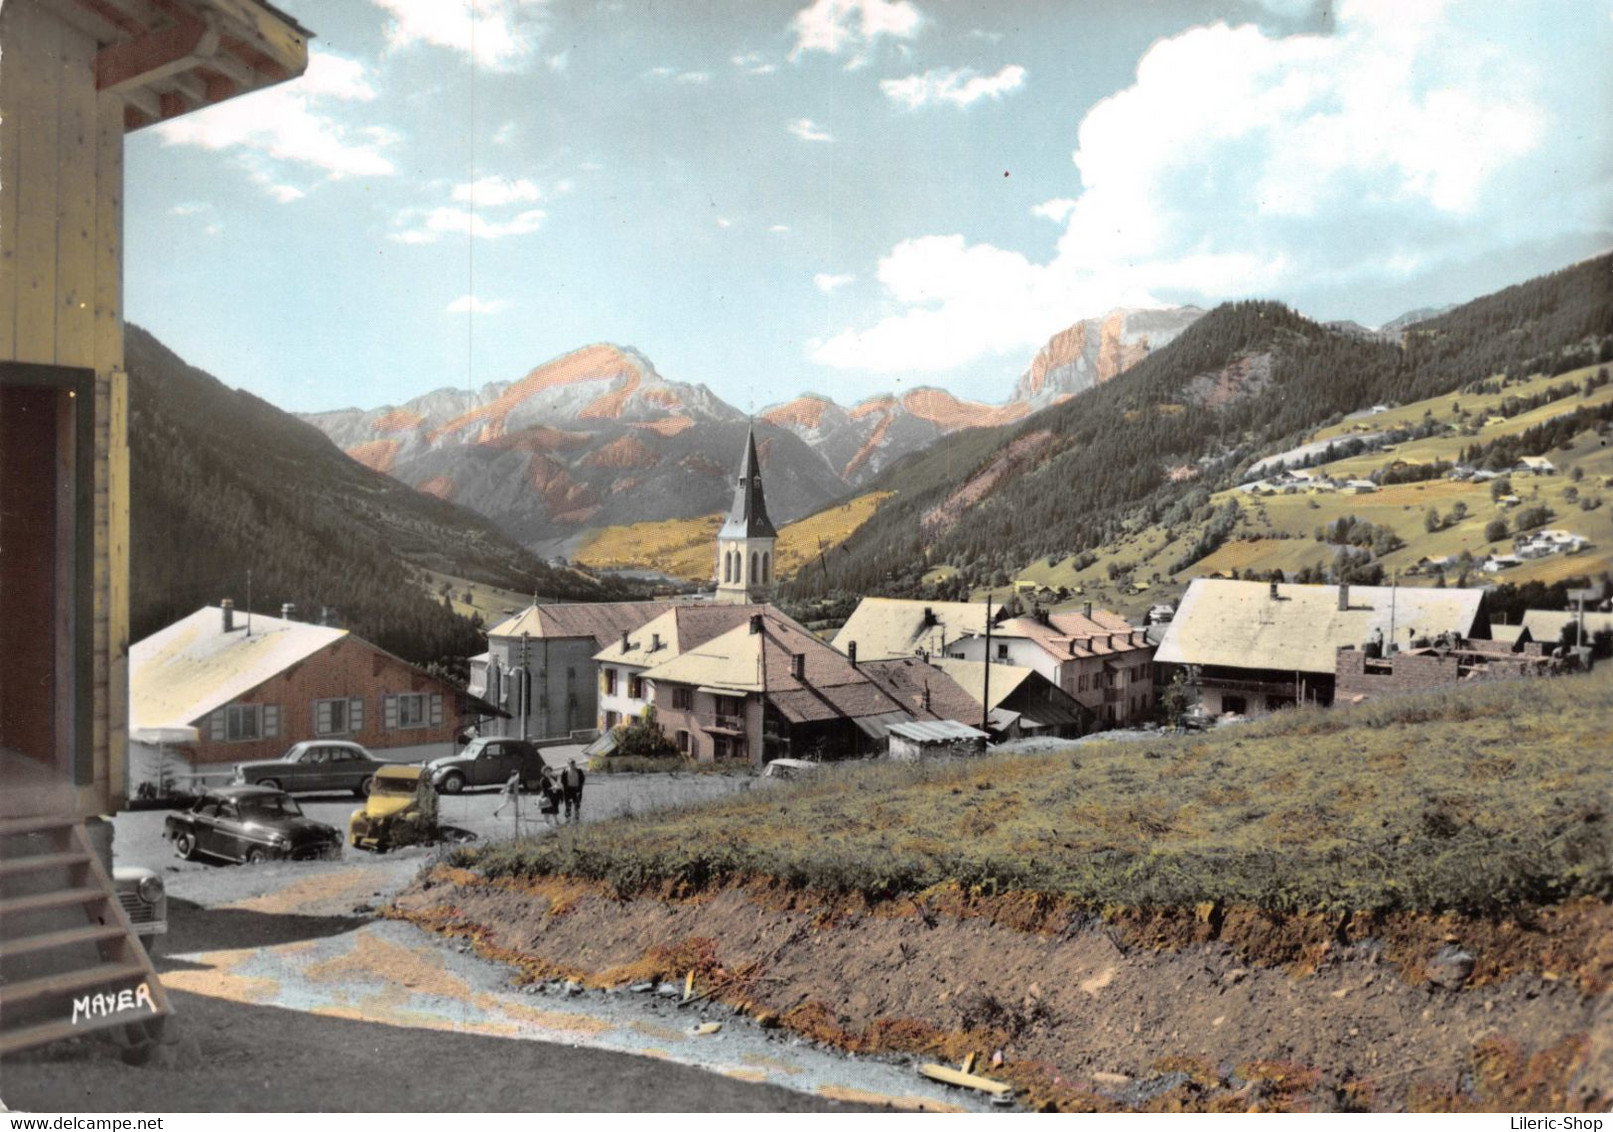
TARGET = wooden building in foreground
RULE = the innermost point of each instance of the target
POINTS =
(78, 75)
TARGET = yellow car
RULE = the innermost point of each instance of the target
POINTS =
(401, 810)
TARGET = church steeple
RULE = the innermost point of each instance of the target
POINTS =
(745, 543)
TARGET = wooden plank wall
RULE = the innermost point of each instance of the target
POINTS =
(61, 303)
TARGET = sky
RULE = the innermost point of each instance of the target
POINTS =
(851, 197)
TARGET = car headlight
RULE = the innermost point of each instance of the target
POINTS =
(150, 889)
(279, 839)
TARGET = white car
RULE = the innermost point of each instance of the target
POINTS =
(789, 768)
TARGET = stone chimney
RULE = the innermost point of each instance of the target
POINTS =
(798, 665)
(755, 622)
(929, 616)
(1344, 596)
(655, 642)
(1086, 610)
(851, 652)
(625, 645)
(1274, 591)
(228, 607)
(926, 697)
(288, 611)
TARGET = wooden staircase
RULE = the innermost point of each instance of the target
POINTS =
(67, 949)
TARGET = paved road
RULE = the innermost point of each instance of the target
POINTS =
(293, 995)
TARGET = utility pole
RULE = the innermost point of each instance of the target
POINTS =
(526, 682)
(985, 692)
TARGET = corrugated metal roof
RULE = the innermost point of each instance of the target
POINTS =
(936, 731)
(1240, 625)
(179, 674)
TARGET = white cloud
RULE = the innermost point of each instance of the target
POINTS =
(500, 35)
(807, 130)
(189, 208)
(505, 134)
(960, 88)
(754, 64)
(430, 225)
(1057, 210)
(852, 26)
(688, 78)
(559, 62)
(295, 123)
(285, 194)
(724, 222)
(829, 284)
(492, 192)
(1241, 162)
(779, 228)
(471, 304)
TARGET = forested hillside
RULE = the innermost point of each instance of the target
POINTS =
(1147, 448)
(223, 483)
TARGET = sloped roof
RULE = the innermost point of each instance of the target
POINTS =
(604, 621)
(1064, 635)
(1239, 625)
(737, 660)
(179, 674)
(680, 628)
(970, 675)
(936, 731)
(747, 516)
(885, 626)
(1546, 625)
(907, 679)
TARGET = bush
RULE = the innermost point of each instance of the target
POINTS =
(1495, 530)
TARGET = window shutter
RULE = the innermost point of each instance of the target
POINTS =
(436, 711)
(355, 714)
(215, 726)
(322, 717)
(271, 721)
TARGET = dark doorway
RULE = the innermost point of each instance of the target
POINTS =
(46, 563)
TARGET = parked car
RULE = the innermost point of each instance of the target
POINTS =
(487, 762)
(249, 824)
(789, 768)
(144, 899)
(401, 810)
(320, 764)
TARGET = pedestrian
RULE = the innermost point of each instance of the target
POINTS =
(571, 780)
(511, 791)
(549, 806)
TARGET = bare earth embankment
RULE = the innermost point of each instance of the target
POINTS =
(1393, 906)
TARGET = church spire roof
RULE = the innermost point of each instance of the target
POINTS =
(747, 518)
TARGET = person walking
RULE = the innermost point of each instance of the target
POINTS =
(549, 807)
(571, 780)
(511, 789)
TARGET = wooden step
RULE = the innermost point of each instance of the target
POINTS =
(17, 866)
(42, 901)
(92, 933)
(100, 977)
(39, 1034)
(12, 826)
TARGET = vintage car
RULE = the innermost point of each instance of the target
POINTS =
(401, 810)
(487, 762)
(789, 768)
(144, 900)
(249, 824)
(320, 764)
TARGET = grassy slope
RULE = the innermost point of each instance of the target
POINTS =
(1475, 799)
(1267, 520)
(685, 548)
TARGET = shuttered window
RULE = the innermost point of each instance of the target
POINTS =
(341, 716)
(244, 723)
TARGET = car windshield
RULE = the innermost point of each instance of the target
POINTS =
(269, 808)
(393, 786)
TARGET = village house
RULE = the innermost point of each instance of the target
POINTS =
(770, 689)
(1097, 657)
(1254, 647)
(883, 627)
(623, 688)
(220, 687)
(539, 666)
(1535, 465)
(1546, 625)
(1022, 701)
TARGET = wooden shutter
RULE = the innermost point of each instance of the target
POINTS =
(435, 718)
(215, 726)
(355, 715)
(321, 717)
(271, 721)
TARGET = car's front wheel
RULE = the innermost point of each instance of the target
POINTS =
(256, 856)
(268, 783)
(453, 783)
(185, 846)
(363, 788)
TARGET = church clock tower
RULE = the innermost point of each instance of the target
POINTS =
(745, 543)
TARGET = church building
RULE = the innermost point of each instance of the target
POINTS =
(745, 543)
